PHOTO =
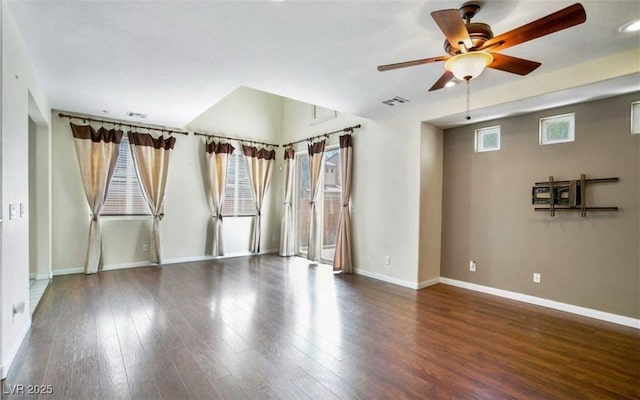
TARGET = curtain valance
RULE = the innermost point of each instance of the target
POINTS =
(145, 139)
(211, 146)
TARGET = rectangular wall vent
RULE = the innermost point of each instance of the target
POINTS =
(136, 115)
(392, 102)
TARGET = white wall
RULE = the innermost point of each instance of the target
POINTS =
(385, 192)
(431, 180)
(186, 228)
(18, 80)
(251, 114)
(385, 195)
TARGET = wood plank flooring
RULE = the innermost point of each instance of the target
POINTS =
(268, 327)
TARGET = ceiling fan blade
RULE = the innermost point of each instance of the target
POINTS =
(557, 21)
(514, 65)
(444, 79)
(451, 24)
(411, 63)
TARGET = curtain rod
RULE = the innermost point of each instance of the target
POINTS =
(233, 138)
(348, 129)
(130, 125)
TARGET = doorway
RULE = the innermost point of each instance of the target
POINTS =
(39, 207)
(330, 199)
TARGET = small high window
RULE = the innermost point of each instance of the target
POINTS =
(487, 139)
(557, 129)
(635, 118)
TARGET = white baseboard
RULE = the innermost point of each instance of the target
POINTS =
(556, 305)
(13, 352)
(208, 257)
(111, 267)
(68, 271)
(396, 281)
(428, 282)
(385, 278)
(37, 277)
(138, 264)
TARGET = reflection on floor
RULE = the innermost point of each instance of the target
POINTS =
(36, 290)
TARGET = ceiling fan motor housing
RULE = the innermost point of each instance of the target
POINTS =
(479, 33)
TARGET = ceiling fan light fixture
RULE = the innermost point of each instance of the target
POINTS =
(467, 66)
(451, 83)
(632, 26)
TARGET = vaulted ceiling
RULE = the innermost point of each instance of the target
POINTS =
(173, 60)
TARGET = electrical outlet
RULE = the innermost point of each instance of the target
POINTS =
(273, 238)
(387, 261)
(145, 247)
(472, 266)
(536, 277)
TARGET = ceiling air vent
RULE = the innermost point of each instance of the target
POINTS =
(392, 102)
(136, 115)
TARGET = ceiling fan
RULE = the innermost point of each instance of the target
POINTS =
(471, 46)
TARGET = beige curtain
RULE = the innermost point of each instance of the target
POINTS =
(316, 155)
(259, 167)
(97, 153)
(151, 158)
(342, 259)
(286, 227)
(217, 161)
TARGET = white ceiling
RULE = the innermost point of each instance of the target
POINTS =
(173, 60)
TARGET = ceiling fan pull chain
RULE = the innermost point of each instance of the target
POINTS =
(467, 116)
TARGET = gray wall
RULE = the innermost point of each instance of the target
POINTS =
(488, 216)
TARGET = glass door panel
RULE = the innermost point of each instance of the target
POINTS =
(302, 199)
(331, 203)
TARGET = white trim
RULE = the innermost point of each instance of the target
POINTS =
(556, 305)
(635, 118)
(385, 278)
(12, 354)
(112, 267)
(428, 282)
(109, 267)
(37, 277)
(480, 133)
(207, 258)
(544, 140)
(68, 271)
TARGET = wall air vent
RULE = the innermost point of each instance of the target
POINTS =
(392, 102)
(136, 115)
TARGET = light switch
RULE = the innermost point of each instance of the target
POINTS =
(12, 211)
(22, 210)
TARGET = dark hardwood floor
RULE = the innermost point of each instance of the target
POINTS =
(268, 327)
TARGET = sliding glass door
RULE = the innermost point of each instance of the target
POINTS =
(330, 199)
(302, 198)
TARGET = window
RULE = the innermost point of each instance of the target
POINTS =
(557, 129)
(487, 139)
(125, 196)
(238, 197)
(635, 117)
